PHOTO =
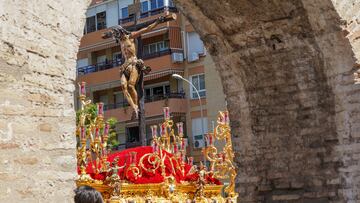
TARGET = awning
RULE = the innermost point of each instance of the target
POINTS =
(154, 33)
(159, 74)
(111, 42)
(99, 46)
(151, 76)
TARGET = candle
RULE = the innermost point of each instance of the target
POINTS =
(82, 132)
(97, 132)
(104, 152)
(191, 161)
(226, 117)
(182, 144)
(106, 129)
(166, 113)
(210, 137)
(154, 146)
(163, 129)
(82, 90)
(100, 109)
(180, 128)
(154, 130)
(213, 125)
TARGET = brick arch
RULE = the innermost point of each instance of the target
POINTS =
(287, 72)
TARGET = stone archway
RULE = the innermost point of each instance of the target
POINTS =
(287, 71)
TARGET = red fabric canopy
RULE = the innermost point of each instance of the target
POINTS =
(146, 177)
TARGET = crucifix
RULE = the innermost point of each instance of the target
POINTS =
(133, 69)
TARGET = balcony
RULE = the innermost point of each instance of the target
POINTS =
(144, 15)
(153, 107)
(107, 71)
(157, 54)
(178, 95)
(127, 20)
(157, 11)
(98, 67)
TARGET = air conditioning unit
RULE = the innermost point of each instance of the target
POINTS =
(193, 57)
(199, 144)
(177, 57)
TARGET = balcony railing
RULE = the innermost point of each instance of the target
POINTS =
(148, 14)
(157, 11)
(113, 63)
(126, 20)
(99, 67)
(116, 106)
(158, 97)
(157, 54)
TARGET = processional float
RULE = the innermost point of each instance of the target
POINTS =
(158, 173)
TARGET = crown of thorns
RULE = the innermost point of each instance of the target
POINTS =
(116, 32)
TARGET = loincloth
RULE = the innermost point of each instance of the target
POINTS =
(127, 67)
(133, 63)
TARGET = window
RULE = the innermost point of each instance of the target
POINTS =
(117, 58)
(82, 63)
(160, 3)
(144, 6)
(199, 82)
(153, 4)
(196, 128)
(90, 24)
(133, 135)
(156, 4)
(195, 45)
(155, 47)
(101, 62)
(124, 12)
(104, 99)
(119, 97)
(157, 92)
(120, 100)
(101, 59)
(101, 20)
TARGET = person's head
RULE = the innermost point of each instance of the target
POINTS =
(87, 194)
(117, 33)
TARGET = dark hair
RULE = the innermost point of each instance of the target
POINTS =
(87, 194)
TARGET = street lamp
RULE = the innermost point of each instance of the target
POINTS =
(179, 77)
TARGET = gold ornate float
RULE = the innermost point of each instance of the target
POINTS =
(158, 173)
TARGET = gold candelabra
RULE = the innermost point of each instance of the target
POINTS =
(92, 132)
(221, 164)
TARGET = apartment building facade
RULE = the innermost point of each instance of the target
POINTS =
(171, 48)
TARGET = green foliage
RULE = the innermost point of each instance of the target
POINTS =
(89, 109)
(92, 110)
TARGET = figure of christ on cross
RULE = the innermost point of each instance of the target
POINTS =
(132, 67)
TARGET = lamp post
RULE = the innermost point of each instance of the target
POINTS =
(179, 77)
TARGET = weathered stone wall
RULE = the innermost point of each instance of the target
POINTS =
(287, 69)
(38, 44)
